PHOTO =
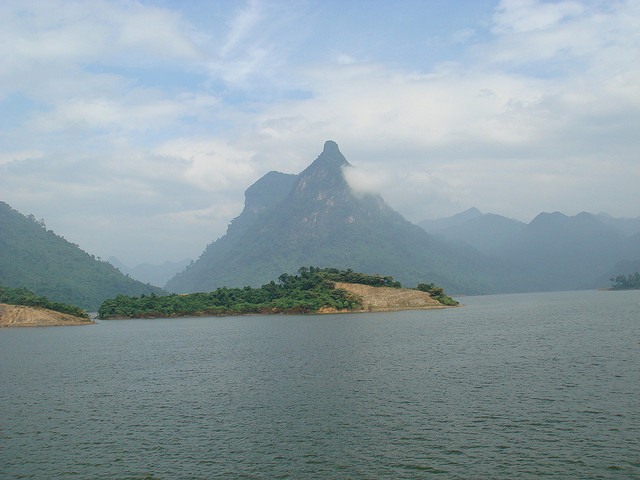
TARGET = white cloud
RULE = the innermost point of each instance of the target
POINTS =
(568, 33)
(19, 156)
(210, 164)
(541, 113)
(484, 132)
(530, 15)
(366, 180)
(241, 25)
(65, 31)
(136, 111)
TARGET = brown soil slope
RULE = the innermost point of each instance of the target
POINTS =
(22, 316)
(380, 299)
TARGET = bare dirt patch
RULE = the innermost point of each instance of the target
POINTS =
(22, 316)
(380, 299)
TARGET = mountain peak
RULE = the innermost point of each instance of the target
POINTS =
(330, 147)
(323, 178)
(330, 160)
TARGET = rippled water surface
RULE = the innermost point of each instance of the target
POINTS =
(509, 386)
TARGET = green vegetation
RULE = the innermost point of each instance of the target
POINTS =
(630, 282)
(437, 293)
(349, 276)
(308, 292)
(24, 296)
(32, 256)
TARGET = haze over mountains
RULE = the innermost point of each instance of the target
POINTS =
(554, 251)
(151, 273)
(315, 218)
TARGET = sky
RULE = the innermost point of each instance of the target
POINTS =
(133, 128)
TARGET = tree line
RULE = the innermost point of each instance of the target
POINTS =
(629, 282)
(307, 292)
(24, 296)
(437, 293)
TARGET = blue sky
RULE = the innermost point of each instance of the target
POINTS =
(134, 127)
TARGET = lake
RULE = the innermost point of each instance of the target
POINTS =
(508, 386)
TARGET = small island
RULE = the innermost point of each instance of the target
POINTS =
(312, 290)
(629, 282)
(20, 307)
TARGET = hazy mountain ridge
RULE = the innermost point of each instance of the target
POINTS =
(315, 218)
(486, 232)
(321, 221)
(151, 273)
(554, 251)
(32, 256)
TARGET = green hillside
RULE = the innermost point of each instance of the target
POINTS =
(24, 296)
(36, 258)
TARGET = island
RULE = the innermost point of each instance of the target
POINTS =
(20, 307)
(630, 282)
(312, 291)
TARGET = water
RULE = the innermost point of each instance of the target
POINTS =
(509, 386)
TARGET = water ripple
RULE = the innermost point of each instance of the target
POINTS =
(509, 386)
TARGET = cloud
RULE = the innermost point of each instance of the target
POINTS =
(138, 119)
(54, 31)
(365, 181)
(139, 110)
(578, 35)
(210, 165)
(479, 124)
(19, 156)
(516, 16)
(241, 25)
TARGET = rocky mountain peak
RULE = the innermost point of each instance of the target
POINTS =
(329, 161)
(324, 177)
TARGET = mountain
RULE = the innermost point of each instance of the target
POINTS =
(486, 232)
(554, 251)
(150, 273)
(626, 226)
(316, 219)
(442, 224)
(561, 252)
(32, 256)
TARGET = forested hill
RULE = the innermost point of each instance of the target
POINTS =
(25, 297)
(36, 258)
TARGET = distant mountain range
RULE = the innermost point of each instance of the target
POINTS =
(554, 251)
(32, 256)
(316, 219)
(151, 273)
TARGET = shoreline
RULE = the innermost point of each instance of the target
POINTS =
(322, 311)
(374, 299)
